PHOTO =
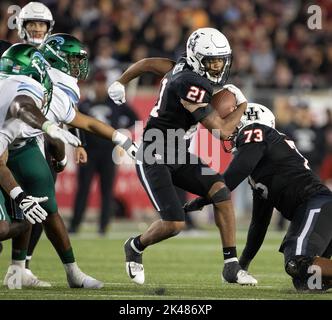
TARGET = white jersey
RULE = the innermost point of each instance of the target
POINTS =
(11, 87)
(66, 83)
(15, 132)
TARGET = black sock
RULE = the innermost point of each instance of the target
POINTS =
(137, 243)
(37, 230)
(229, 252)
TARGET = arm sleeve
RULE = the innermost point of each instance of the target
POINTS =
(243, 164)
(261, 217)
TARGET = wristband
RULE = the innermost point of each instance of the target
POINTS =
(122, 140)
(15, 192)
(46, 125)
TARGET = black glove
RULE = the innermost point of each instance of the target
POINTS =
(196, 204)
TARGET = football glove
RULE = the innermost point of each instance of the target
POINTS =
(125, 143)
(55, 132)
(239, 96)
(117, 93)
(30, 207)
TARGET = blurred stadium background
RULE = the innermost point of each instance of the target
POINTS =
(277, 61)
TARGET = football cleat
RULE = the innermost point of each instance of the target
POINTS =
(233, 273)
(78, 279)
(30, 280)
(244, 278)
(134, 266)
(25, 278)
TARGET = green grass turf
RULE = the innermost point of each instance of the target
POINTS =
(185, 267)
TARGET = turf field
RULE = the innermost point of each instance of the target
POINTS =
(185, 267)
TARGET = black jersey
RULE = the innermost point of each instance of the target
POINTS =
(179, 83)
(276, 169)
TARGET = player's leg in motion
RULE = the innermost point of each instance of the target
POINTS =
(36, 232)
(37, 229)
(158, 180)
(308, 239)
(32, 172)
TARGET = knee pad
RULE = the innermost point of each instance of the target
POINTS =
(221, 195)
(298, 266)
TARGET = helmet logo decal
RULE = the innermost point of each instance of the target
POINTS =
(38, 55)
(251, 114)
(193, 42)
(59, 40)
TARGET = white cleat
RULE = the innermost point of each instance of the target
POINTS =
(135, 271)
(78, 279)
(17, 277)
(243, 278)
(30, 280)
(134, 263)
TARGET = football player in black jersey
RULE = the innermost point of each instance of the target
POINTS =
(164, 162)
(281, 178)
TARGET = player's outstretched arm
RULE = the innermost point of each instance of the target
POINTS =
(24, 108)
(158, 66)
(101, 129)
(261, 217)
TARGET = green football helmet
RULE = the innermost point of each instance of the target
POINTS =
(67, 54)
(25, 59)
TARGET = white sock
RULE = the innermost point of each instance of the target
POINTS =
(19, 263)
(71, 267)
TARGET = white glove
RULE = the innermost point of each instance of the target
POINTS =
(30, 207)
(117, 93)
(239, 96)
(126, 143)
(56, 132)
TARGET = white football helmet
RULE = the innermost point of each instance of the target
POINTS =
(34, 11)
(205, 43)
(255, 113)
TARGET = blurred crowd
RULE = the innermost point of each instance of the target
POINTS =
(273, 48)
(272, 44)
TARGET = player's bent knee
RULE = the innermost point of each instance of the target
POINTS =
(4, 229)
(175, 227)
(223, 194)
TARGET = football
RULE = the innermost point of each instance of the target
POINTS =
(223, 102)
